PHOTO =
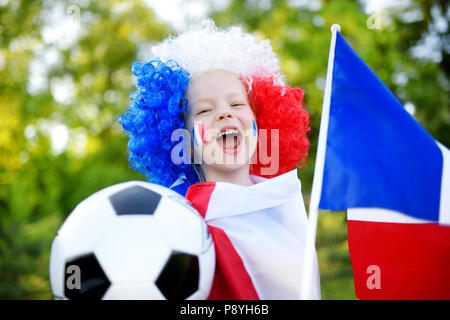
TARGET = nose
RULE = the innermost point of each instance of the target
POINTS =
(224, 114)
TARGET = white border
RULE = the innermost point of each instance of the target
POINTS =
(444, 208)
(381, 215)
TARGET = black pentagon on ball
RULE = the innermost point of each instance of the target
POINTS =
(135, 200)
(91, 283)
(180, 276)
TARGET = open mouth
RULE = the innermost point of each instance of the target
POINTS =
(229, 139)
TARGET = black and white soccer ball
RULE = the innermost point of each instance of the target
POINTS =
(133, 240)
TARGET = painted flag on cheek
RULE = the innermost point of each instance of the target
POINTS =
(393, 178)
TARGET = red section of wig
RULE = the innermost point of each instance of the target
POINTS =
(280, 107)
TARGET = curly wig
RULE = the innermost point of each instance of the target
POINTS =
(280, 107)
(158, 105)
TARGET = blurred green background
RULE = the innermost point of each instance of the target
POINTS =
(65, 79)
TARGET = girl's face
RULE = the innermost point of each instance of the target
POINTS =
(219, 115)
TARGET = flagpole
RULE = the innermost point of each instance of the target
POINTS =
(309, 254)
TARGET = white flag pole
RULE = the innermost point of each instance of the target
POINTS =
(309, 255)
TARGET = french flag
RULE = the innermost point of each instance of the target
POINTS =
(259, 237)
(378, 163)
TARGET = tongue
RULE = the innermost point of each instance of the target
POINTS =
(229, 142)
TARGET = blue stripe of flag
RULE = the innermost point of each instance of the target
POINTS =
(377, 154)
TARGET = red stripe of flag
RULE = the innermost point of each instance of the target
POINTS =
(400, 260)
(231, 280)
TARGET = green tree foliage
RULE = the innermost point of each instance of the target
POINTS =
(38, 186)
(41, 183)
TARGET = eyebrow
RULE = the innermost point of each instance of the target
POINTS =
(211, 100)
(206, 99)
(233, 94)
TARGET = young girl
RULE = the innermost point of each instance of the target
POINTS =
(226, 89)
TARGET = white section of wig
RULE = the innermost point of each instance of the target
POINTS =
(206, 47)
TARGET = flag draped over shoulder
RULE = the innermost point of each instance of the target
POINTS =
(393, 179)
(259, 237)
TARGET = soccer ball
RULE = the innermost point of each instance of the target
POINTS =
(133, 240)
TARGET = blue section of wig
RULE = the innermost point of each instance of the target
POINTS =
(156, 111)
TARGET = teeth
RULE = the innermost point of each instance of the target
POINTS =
(228, 131)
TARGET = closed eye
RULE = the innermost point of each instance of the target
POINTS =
(203, 111)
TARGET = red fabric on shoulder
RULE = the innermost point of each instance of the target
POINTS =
(199, 194)
(231, 279)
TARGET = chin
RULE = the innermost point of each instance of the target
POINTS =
(226, 167)
(227, 161)
(230, 167)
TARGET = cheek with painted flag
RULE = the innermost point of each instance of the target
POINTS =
(375, 161)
